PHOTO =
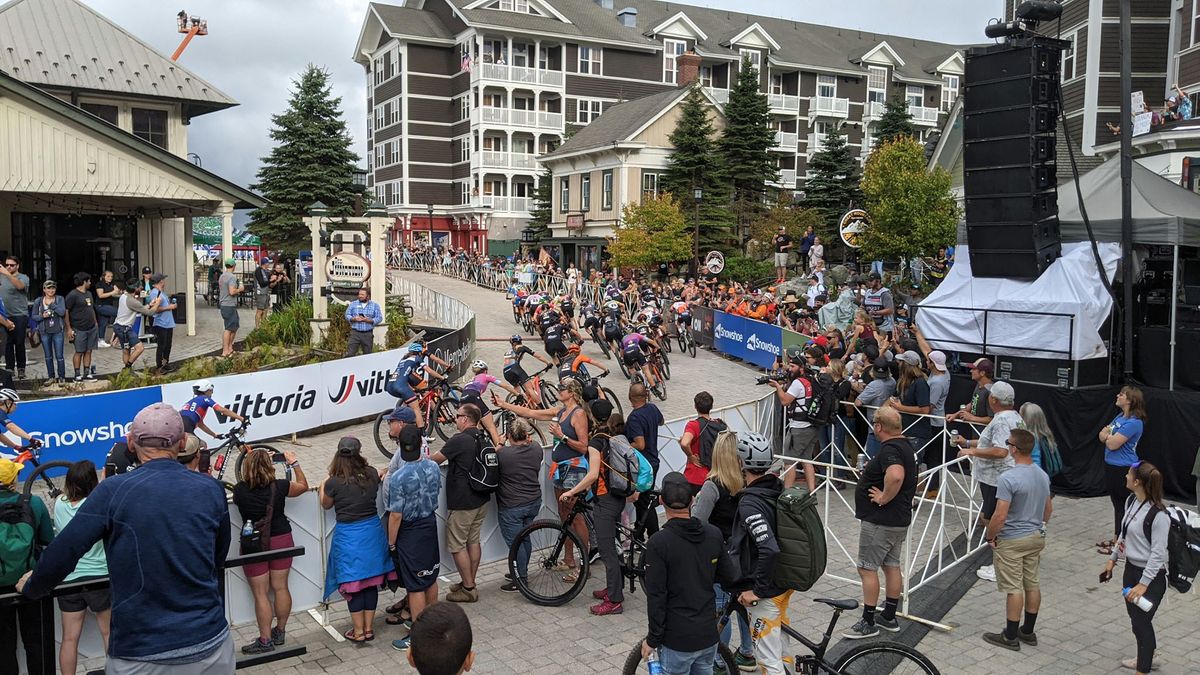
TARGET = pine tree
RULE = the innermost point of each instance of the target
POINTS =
(543, 195)
(896, 121)
(834, 185)
(745, 146)
(695, 164)
(311, 161)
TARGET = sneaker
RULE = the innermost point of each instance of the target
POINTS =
(987, 573)
(1000, 640)
(745, 662)
(1028, 638)
(278, 636)
(719, 668)
(1131, 664)
(49, 382)
(61, 380)
(861, 630)
(104, 344)
(20, 373)
(593, 555)
(606, 608)
(510, 587)
(456, 586)
(78, 377)
(463, 595)
(258, 647)
(401, 645)
(508, 576)
(890, 625)
(90, 376)
(600, 594)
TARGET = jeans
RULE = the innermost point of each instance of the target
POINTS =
(52, 348)
(512, 521)
(873, 445)
(607, 514)
(877, 267)
(14, 349)
(747, 643)
(105, 315)
(687, 663)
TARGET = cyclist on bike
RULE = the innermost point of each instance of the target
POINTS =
(614, 326)
(634, 348)
(566, 305)
(515, 374)
(8, 404)
(575, 365)
(683, 315)
(473, 393)
(194, 411)
(590, 319)
(518, 302)
(755, 549)
(407, 378)
(555, 336)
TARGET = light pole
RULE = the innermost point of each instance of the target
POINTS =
(429, 222)
(697, 195)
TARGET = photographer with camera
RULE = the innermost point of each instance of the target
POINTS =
(803, 438)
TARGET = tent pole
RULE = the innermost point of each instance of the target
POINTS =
(1174, 311)
(1126, 191)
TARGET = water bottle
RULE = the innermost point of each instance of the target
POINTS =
(1142, 603)
(862, 461)
(248, 529)
(654, 663)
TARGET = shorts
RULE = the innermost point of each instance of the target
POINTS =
(781, 259)
(515, 375)
(262, 300)
(96, 601)
(189, 424)
(683, 319)
(569, 313)
(277, 542)
(567, 477)
(124, 336)
(989, 501)
(87, 340)
(634, 358)
(802, 443)
(475, 399)
(400, 389)
(880, 545)
(1017, 562)
(612, 335)
(556, 349)
(230, 316)
(591, 322)
(462, 528)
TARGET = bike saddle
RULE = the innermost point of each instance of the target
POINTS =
(838, 604)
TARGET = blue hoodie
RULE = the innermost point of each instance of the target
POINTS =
(166, 533)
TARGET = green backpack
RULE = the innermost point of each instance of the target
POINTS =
(17, 536)
(801, 538)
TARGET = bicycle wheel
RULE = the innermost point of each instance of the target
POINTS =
(884, 657)
(691, 346)
(282, 470)
(443, 419)
(543, 583)
(682, 341)
(46, 487)
(635, 665)
(665, 341)
(549, 394)
(665, 369)
(382, 440)
(624, 368)
(660, 389)
(616, 402)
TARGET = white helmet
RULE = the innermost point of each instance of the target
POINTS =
(203, 385)
(7, 395)
(479, 364)
(755, 451)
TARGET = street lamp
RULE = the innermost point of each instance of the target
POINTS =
(697, 195)
(429, 210)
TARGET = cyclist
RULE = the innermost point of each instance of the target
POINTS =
(634, 348)
(614, 326)
(590, 316)
(518, 302)
(683, 315)
(473, 393)
(575, 365)
(407, 378)
(515, 375)
(197, 407)
(566, 305)
(555, 335)
(754, 547)
(8, 404)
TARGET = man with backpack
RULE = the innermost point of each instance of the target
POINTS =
(803, 431)
(466, 504)
(24, 526)
(699, 436)
(641, 428)
(883, 502)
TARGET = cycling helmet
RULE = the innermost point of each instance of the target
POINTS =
(415, 348)
(515, 339)
(755, 451)
(573, 348)
(612, 304)
(202, 385)
(643, 329)
(9, 395)
(479, 364)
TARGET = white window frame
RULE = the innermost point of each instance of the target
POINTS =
(380, 154)
(464, 107)
(1070, 61)
(582, 104)
(590, 60)
(606, 190)
(777, 83)
(464, 149)
(379, 117)
(585, 192)
(672, 50)
(393, 152)
(1195, 19)
(521, 50)
(755, 57)
(706, 76)
(949, 93)
(828, 81)
(394, 118)
(650, 184)
(909, 95)
(879, 73)
(464, 192)
(564, 194)
(377, 69)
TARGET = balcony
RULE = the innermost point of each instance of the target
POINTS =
(786, 141)
(721, 95)
(829, 106)
(922, 115)
(536, 119)
(872, 110)
(784, 104)
(787, 178)
(816, 143)
(517, 204)
(494, 159)
(516, 74)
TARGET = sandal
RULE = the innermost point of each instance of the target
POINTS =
(570, 578)
(1104, 550)
(350, 635)
(1106, 543)
(368, 636)
(563, 567)
(398, 607)
(398, 620)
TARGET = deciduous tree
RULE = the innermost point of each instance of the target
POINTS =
(912, 209)
(651, 232)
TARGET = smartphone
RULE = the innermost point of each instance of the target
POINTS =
(1105, 576)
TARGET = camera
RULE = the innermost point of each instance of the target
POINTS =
(774, 375)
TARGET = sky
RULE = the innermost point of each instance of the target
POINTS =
(256, 48)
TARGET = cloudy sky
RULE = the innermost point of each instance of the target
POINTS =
(256, 47)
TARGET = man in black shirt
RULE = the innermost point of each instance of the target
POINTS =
(641, 428)
(883, 502)
(783, 244)
(120, 459)
(467, 506)
(81, 326)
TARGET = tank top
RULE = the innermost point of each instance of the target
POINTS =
(724, 511)
(563, 452)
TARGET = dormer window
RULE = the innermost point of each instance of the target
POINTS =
(518, 6)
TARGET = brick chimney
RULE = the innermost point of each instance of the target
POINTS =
(687, 68)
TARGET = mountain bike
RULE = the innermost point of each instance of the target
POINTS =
(233, 441)
(605, 393)
(660, 382)
(543, 582)
(30, 455)
(687, 344)
(598, 338)
(871, 658)
(439, 405)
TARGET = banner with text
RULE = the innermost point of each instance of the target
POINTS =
(747, 339)
(702, 325)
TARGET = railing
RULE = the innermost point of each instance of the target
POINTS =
(784, 103)
(521, 118)
(719, 95)
(787, 178)
(923, 115)
(873, 110)
(518, 74)
(829, 106)
(816, 143)
(505, 160)
(786, 140)
(517, 204)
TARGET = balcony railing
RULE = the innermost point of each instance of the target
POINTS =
(517, 74)
(521, 118)
(922, 115)
(721, 95)
(784, 103)
(786, 141)
(517, 204)
(829, 106)
(816, 143)
(787, 178)
(872, 110)
(494, 159)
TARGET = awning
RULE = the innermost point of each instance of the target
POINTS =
(206, 231)
(1163, 212)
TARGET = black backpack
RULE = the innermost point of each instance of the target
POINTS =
(822, 401)
(1183, 547)
(484, 476)
(708, 437)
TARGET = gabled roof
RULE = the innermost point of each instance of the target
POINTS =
(619, 123)
(584, 19)
(884, 49)
(752, 28)
(679, 17)
(64, 43)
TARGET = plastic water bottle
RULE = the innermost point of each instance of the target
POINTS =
(654, 663)
(248, 529)
(1142, 603)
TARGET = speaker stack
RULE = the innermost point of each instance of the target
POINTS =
(1010, 112)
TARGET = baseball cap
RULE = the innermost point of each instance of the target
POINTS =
(402, 413)
(155, 278)
(881, 366)
(157, 426)
(230, 262)
(910, 358)
(601, 410)
(146, 270)
(49, 283)
(874, 276)
(938, 360)
(410, 443)
(1003, 392)
(190, 448)
(984, 366)
(349, 445)
(8, 471)
(264, 260)
(676, 492)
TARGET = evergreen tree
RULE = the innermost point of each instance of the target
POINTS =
(834, 185)
(695, 164)
(745, 146)
(896, 121)
(543, 195)
(311, 161)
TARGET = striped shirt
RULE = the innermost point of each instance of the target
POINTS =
(368, 309)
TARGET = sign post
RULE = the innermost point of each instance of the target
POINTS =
(343, 259)
(851, 227)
